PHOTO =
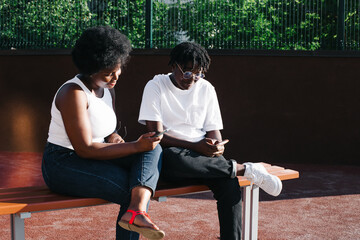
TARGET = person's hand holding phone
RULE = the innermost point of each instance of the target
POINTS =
(220, 147)
(146, 142)
(158, 134)
(217, 148)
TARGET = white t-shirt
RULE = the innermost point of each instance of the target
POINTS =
(101, 115)
(189, 114)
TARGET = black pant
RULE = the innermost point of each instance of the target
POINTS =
(182, 164)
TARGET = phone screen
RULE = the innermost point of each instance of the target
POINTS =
(223, 142)
(160, 133)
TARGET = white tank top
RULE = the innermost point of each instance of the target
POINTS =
(101, 114)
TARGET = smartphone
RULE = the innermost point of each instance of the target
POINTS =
(223, 142)
(160, 133)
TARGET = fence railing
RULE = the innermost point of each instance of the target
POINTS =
(215, 24)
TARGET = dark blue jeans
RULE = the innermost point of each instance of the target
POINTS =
(182, 164)
(66, 173)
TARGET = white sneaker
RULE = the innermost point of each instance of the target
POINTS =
(257, 174)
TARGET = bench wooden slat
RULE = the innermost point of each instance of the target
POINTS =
(9, 208)
(20, 189)
(56, 203)
(287, 174)
(39, 193)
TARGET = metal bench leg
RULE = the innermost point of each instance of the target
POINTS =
(250, 212)
(18, 225)
(254, 212)
(161, 199)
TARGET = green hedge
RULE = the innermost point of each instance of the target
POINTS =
(217, 24)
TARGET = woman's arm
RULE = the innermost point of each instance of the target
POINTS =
(72, 103)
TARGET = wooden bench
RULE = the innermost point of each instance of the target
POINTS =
(21, 202)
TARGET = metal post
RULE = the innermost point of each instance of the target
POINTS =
(18, 225)
(254, 212)
(246, 209)
(148, 23)
(250, 212)
(341, 25)
(161, 199)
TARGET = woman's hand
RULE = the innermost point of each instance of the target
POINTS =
(147, 142)
(114, 138)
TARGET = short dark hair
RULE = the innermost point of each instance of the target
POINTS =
(100, 47)
(190, 51)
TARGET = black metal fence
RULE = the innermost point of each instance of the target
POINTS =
(215, 24)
